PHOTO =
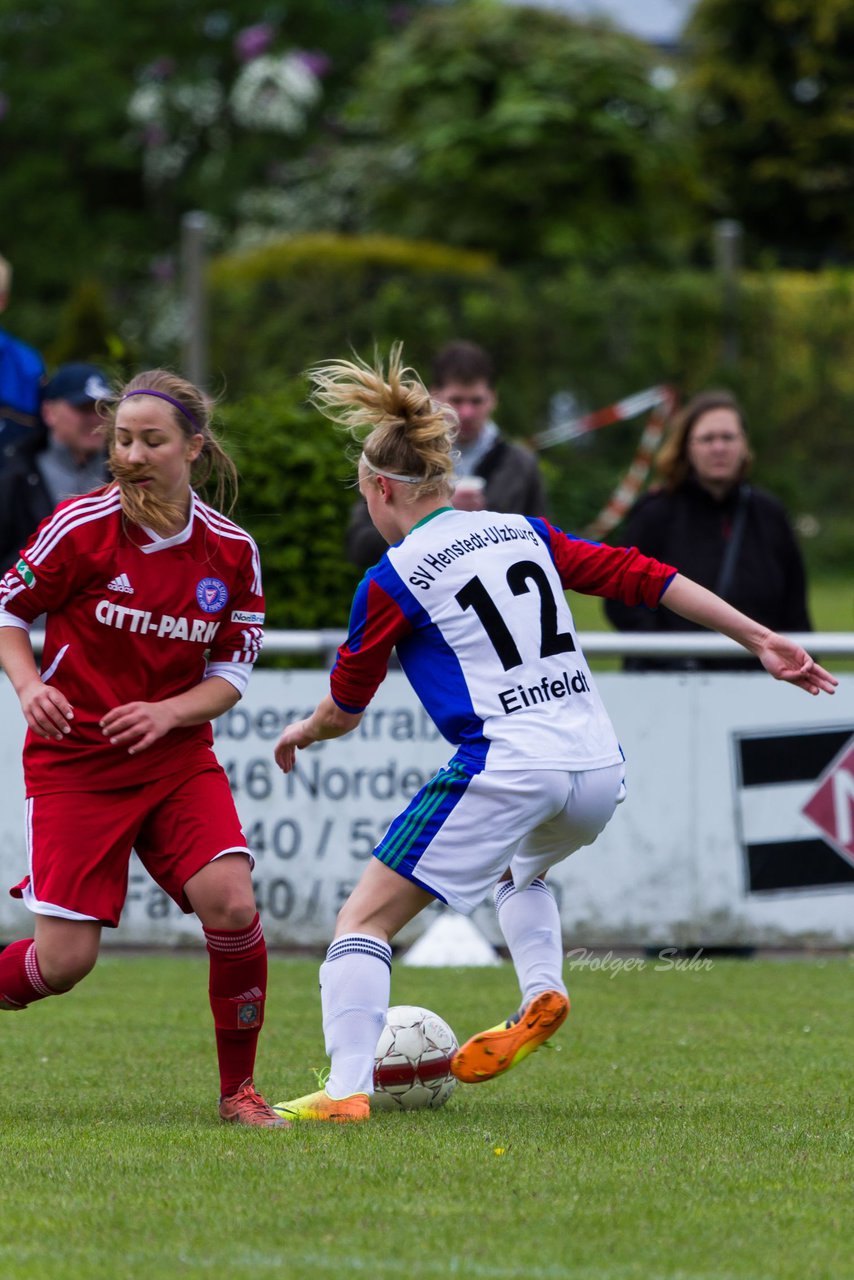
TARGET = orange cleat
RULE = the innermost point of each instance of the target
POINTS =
(319, 1106)
(248, 1107)
(495, 1051)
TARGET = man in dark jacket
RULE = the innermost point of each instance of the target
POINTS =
(72, 462)
(492, 473)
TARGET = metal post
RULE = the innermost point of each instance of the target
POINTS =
(727, 250)
(194, 237)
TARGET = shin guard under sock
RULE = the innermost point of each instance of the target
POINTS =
(355, 982)
(238, 989)
(530, 922)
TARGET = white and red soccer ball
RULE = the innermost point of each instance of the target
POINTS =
(413, 1061)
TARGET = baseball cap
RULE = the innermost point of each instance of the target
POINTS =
(79, 384)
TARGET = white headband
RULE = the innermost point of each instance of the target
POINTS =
(390, 475)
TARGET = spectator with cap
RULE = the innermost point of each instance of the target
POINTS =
(21, 371)
(72, 461)
(490, 472)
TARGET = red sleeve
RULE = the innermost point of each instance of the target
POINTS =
(241, 633)
(377, 623)
(594, 569)
(47, 572)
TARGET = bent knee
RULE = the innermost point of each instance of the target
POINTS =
(232, 913)
(62, 972)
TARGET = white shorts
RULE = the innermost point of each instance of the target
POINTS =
(461, 832)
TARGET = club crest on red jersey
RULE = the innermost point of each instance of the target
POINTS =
(247, 1014)
(212, 594)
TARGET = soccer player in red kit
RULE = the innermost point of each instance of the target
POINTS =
(154, 613)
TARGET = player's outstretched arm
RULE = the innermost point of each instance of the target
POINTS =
(779, 655)
(326, 721)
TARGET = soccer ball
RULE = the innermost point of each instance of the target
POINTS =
(413, 1061)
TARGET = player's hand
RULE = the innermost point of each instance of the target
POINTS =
(295, 736)
(787, 661)
(46, 710)
(138, 724)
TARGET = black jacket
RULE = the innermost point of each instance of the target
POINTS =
(24, 502)
(513, 484)
(690, 529)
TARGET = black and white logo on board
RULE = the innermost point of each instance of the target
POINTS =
(795, 808)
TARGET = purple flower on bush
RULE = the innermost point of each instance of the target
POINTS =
(252, 41)
(317, 62)
(160, 69)
(162, 268)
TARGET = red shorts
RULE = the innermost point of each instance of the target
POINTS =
(80, 842)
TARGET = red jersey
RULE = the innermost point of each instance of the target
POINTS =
(132, 617)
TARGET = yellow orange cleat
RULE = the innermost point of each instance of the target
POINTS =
(492, 1052)
(319, 1106)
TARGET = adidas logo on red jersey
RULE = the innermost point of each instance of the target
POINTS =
(121, 583)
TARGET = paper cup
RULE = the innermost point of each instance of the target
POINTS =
(470, 484)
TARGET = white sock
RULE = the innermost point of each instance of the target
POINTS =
(355, 984)
(531, 926)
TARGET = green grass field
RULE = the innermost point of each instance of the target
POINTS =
(685, 1126)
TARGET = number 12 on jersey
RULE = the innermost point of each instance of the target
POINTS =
(474, 595)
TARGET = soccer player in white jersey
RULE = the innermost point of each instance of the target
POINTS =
(154, 613)
(474, 603)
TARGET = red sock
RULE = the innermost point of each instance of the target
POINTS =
(21, 982)
(238, 989)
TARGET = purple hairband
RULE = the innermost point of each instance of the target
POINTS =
(161, 395)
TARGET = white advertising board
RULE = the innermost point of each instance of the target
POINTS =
(712, 846)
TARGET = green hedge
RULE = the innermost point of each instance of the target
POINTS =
(295, 495)
(277, 309)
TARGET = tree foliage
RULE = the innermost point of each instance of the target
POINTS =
(480, 124)
(113, 123)
(280, 307)
(774, 82)
(514, 130)
(599, 336)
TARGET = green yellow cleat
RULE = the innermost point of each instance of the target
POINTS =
(319, 1106)
(492, 1052)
